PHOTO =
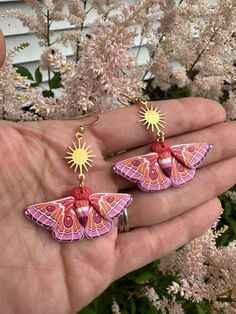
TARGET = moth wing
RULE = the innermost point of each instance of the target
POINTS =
(154, 179)
(47, 214)
(179, 173)
(53, 216)
(68, 227)
(110, 205)
(132, 168)
(191, 155)
(96, 224)
(145, 171)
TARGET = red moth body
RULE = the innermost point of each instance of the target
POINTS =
(81, 203)
(164, 155)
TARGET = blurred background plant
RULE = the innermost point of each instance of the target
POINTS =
(191, 46)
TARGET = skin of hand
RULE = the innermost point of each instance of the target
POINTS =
(40, 275)
(2, 49)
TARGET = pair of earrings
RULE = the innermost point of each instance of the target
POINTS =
(83, 213)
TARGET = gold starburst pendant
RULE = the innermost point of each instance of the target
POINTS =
(80, 156)
(151, 117)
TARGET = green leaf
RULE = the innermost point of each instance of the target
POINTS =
(34, 85)
(48, 93)
(132, 306)
(87, 310)
(232, 224)
(24, 72)
(200, 309)
(102, 304)
(175, 92)
(124, 311)
(144, 277)
(55, 82)
(38, 76)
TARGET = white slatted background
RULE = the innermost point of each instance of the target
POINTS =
(15, 34)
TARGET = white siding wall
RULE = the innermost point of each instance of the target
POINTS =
(15, 34)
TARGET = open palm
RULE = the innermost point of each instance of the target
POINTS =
(38, 274)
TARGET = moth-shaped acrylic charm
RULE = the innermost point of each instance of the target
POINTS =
(165, 165)
(81, 213)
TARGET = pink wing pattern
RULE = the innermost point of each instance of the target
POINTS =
(179, 173)
(46, 214)
(58, 216)
(145, 171)
(185, 159)
(96, 225)
(191, 155)
(110, 205)
(104, 208)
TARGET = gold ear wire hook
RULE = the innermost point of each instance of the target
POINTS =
(133, 100)
(84, 116)
(80, 132)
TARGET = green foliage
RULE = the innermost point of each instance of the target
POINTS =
(174, 92)
(38, 76)
(53, 82)
(48, 93)
(228, 219)
(24, 72)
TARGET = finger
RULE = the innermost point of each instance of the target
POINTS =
(221, 136)
(144, 245)
(210, 181)
(119, 129)
(2, 49)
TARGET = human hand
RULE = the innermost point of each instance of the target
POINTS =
(2, 49)
(38, 274)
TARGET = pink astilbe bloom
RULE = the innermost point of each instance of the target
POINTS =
(163, 304)
(54, 60)
(152, 296)
(76, 16)
(230, 105)
(104, 71)
(115, 307)
(39, 22)
(27, 20)
(104, 7)
(206, 272)
(17, 94)
(231, 195)
(76, 13)
(198, 37)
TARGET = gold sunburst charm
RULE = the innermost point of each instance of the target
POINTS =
(80, 157)
(152, 117)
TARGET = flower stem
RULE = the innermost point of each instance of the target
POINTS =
(140, 44)
(199, 56)
(49, 23)
(81, 29)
